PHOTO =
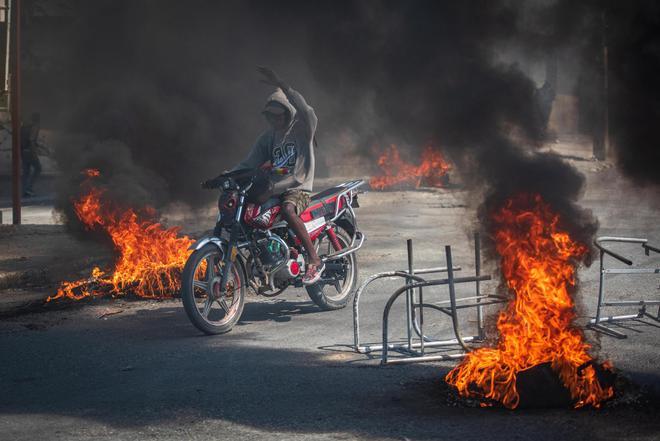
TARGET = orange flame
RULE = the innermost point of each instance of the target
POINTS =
(91, 172)
(431, 171)
(150, 256)
(538, 261)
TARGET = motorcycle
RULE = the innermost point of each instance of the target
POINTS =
(252, 245)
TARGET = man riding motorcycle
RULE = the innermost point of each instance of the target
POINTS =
(263, 241)
(287, 149)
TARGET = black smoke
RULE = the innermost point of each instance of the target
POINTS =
(617, 47)
(161, 95)
(632, 36)
(433, 69)
(172, 87)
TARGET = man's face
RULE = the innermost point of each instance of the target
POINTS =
(278, 122)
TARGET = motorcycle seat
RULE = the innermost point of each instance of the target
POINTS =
(322, 204)
(327, 193)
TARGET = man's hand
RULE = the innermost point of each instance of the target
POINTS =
(208, 184)
(271, 78)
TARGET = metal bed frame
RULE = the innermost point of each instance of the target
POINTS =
(417, 343)
(597, 322)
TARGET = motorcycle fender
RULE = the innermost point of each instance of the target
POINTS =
(220, 243)
(347, 223)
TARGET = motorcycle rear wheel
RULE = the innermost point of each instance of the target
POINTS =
(209, 311)
(329, 296)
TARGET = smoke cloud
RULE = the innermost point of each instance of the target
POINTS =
(435, 74)
(631, 32)
(167, 89)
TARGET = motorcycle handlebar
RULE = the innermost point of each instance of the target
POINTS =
(211, 184)
(231, 177)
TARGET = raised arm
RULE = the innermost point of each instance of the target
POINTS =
(303, 110)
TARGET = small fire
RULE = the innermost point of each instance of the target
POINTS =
(538, 261)
(431, 172)
(150, 256)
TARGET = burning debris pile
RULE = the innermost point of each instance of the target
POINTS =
(150, 256)
(398, 173)
(538, 262)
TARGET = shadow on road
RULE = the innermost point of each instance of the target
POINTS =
(279, 310)
(152, 367)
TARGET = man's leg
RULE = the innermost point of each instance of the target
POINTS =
(36, 165)
(25, 178)
(298, 227)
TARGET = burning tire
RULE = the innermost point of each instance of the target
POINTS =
(338, 280)
(207, 308)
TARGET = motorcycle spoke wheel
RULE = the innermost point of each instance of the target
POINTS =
(212, 305)
(207, 307)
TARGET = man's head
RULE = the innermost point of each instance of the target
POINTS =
(278, 111)
(277, 115)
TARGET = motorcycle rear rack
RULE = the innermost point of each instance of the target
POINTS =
(419, 347)
(346, 192)
(357, 240)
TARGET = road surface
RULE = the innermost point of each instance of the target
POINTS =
(114, 369)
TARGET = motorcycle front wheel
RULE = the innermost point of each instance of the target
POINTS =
(211, 311)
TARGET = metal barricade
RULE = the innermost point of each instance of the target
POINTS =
(597, 322)
(417, 343)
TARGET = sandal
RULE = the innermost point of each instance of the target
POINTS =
(313, 274)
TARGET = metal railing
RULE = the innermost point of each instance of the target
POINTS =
(417, 344)
(597, 322)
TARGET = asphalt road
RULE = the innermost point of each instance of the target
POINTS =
(140, 370)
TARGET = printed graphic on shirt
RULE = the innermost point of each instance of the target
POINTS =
(284, 155)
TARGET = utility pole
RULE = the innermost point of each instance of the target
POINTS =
(606, 91)
(15, 104)
(6, 13)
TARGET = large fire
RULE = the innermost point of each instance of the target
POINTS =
(396, 172)
(150, 257)
(538, 261)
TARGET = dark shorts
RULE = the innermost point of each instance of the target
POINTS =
(298, 198)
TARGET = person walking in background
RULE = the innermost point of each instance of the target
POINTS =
(29, 157)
